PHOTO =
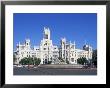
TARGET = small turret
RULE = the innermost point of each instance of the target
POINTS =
(86, 47)
(27, 42)
(90, 48)
(63, 41)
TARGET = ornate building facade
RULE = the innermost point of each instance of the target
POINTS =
(46, 51)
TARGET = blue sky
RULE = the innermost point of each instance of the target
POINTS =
(76, 27)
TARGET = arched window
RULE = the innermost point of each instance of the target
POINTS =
(72, 59)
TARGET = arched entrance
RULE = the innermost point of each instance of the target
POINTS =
(45, 59)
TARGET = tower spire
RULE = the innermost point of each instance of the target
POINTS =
(46, 33)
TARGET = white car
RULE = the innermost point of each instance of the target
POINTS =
(19, 66)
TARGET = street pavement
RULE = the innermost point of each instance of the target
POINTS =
(53, 71)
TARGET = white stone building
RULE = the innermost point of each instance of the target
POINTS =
(68, 51)
(46, 51)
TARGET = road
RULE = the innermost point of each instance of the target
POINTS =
(53, 71)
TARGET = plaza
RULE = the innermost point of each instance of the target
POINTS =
(53, 71)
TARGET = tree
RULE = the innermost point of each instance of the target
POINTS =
(82, 61)
(67, 61)
(14, 59)
(94, 57)
(37, 61)
(49, 62)
(24, 61)
(30, 61)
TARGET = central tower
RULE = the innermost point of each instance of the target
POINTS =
(46, 47)
(46, 33)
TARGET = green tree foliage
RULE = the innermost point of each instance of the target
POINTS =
(24, 61)
(67, 61)
(82, 60)
(30, 61)
(37, 61)
(49, 62)
(94, 57)
(14, 58)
